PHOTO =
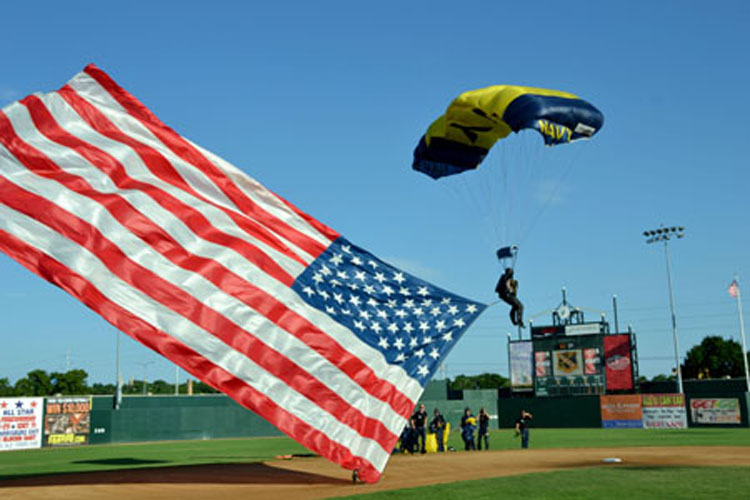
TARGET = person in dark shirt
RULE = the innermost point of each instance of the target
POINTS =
(468, 425)
(437, 425)
(408, 439)
(507, 289)
(484, 424)
(522, 428)
(419, 420)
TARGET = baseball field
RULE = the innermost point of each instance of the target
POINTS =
(561, 464)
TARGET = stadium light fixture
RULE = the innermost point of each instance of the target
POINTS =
(665, 234)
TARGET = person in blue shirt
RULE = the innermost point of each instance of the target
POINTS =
(437, 425)
(468, 426)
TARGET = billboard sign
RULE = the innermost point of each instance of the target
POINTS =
(664, 411)
(542, 364)
(584, 329)
(67, 421)
(591, 361)
(618, 362)
(540, 332)
(20, 423)
(521, 365)
(621, 411)
(715, 410)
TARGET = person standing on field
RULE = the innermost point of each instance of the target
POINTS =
(522, 428)
(484, 424)
(437, 425)
(468, 425)
(419, 419)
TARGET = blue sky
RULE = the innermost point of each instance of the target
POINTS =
(323, 102)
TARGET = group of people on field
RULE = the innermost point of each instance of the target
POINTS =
(470, 424)
(414, 435)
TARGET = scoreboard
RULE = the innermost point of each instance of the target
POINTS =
(573, 359)
(568, 365)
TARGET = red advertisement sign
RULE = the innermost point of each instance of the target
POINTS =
(618, 364)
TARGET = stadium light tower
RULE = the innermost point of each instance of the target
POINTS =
(665, 234)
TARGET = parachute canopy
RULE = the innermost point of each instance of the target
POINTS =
(461, 138)
(507, 252)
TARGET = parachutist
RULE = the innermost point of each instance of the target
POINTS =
(507, 288)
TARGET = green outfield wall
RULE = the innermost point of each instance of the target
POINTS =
(566, 412)
(155, 418)
(158, 418)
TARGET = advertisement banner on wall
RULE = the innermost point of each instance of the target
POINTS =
(664, 411)
(617, 362)
(542, 364)
(591, 361)
(715, 411)
(20, 423)
(621, 411)
(67, 421)
(521, 365)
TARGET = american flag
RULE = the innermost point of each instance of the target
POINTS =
(734, 289)
(191, 257)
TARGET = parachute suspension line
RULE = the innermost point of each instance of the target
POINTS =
(560, 117)
(469, 191)
(489, 188)
(505, 169)
(551, 196)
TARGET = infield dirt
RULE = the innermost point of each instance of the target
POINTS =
(314, 477)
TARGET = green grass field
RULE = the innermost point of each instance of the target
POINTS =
(616, 482)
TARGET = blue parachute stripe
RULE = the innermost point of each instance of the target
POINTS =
(444, 157)
(525, 110)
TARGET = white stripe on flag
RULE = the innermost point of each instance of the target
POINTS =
(191, 257)
(134, 167)
(235, 262)
(207, 293)
(80, 260)
(90, 90)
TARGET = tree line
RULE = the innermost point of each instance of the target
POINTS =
(75, 382)
(715, 357)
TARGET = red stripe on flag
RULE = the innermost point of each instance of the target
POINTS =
(151, 284)
(160, 167)
(213, 271)
(110, 166)
(188, 153)
(190, 360)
